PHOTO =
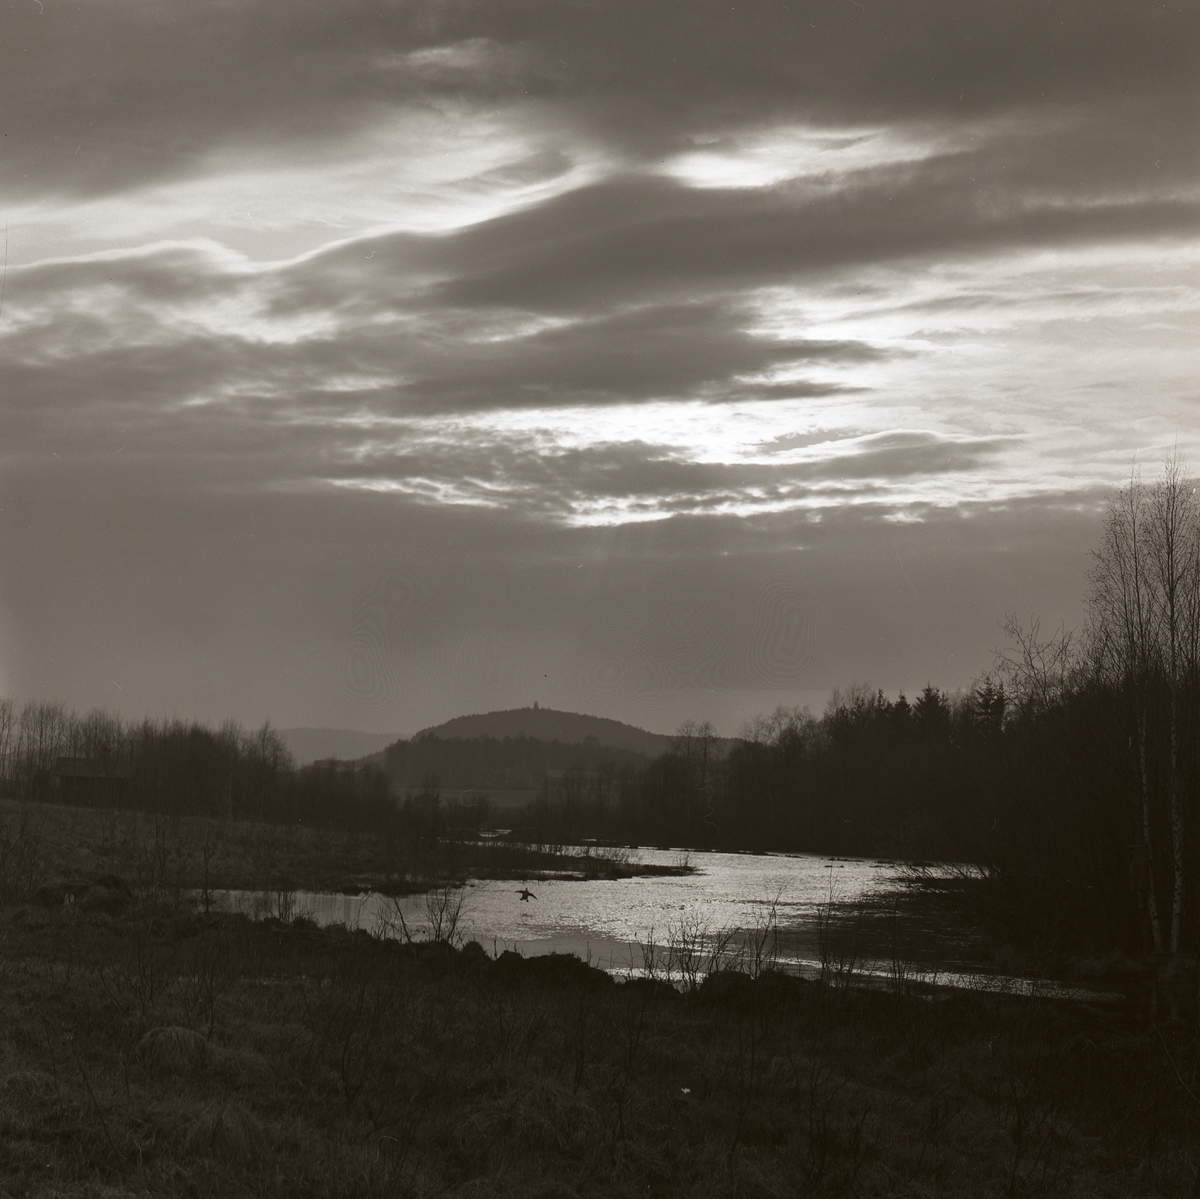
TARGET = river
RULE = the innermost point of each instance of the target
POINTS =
(624, 925)
(608, 922)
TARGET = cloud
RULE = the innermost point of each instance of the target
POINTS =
(104, 96)
(645, 237)
(611, 483)
(842, 60)
(672, 350)
(863, 385)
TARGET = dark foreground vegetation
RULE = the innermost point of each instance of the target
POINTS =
(150, 1050)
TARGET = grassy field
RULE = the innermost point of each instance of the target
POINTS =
(166, 1054)
(158, 856)
(147, 1049)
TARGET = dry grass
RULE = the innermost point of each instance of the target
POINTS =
(226, 1132)
(24, 1086)
(108, 858)
(542, 1118)
(228, 1058)
(173, 1050)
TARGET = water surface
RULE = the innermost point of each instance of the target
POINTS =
(613, 923)
(608, 920)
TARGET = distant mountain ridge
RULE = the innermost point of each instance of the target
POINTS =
(310, 745)
(549, 724)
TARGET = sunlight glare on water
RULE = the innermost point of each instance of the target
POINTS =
(607, 919)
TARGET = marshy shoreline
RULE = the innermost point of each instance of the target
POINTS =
(151, 1047)
(62, 846)
(157, 1051)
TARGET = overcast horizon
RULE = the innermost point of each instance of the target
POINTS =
(367, 364)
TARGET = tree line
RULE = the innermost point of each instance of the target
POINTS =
(870, 776)
(1098, 820)
(175, 767)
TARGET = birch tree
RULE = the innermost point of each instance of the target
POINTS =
(1145, 611)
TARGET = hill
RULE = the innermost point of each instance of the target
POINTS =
(548, 724)
(311, 744)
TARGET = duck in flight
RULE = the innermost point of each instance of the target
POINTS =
(526, 895)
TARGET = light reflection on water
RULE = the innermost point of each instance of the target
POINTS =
(607, 919)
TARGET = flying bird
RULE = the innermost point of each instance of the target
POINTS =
(526, 895)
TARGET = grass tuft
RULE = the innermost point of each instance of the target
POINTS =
(542, 1117)
(28, 1085)
(173, 1050)
(227, 1132)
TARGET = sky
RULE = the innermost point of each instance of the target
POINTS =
(367, 363)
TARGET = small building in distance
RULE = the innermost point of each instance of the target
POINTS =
(90, 782)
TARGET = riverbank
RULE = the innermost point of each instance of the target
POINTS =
(947, 922)
(931, 924)
(65, 848)
(163, 1053)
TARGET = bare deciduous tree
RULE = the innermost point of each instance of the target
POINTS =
(1145, 636)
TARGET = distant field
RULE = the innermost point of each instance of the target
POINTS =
(58, 846)
(504, 801)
